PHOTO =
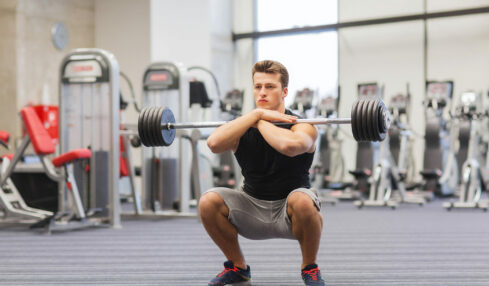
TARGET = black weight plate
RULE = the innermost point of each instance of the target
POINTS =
(156, 127)
(354, 129)
(154, 133)
(147, 127)
(147, 124)
(375, 120)
(140, 130)
(367, 130)
(361, 134)
(376, 113)
(367, 115)
(168, 135)
(142, 127)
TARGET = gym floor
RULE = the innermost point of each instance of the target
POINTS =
(411, 245)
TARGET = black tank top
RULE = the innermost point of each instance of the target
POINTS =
(268, 174)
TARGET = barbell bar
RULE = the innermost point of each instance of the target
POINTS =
(370, 121)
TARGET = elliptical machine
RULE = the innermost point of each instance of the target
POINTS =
(472, 185)
(440, 170)
(386, 176)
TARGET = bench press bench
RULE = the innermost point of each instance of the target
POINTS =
(58, 169)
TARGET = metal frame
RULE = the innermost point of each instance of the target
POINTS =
(15, 208)
(113, 79)
(361, 23)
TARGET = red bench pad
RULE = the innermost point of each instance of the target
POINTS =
(4, 136)
(71, 156)
(41, 141)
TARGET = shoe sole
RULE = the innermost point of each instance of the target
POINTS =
(244, 283)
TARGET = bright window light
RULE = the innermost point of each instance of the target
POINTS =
(284, 14)
(311, 59)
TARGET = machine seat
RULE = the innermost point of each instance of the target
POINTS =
(358, 173)
(4, 136)
(71, 156)
(431, 174)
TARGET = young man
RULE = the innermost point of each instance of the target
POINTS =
(275, 201)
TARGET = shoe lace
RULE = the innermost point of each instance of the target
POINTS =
(312, 273)
(226, 270)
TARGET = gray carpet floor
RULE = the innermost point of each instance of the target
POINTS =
(411, 245)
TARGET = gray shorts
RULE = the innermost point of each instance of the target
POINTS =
(260, 219)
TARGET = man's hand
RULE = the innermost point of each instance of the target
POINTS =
(274, 116)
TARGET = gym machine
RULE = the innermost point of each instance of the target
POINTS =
(440, 171)
(386, 176)
(400, 137)
(166, 171)
(89, 118)
(472, 185)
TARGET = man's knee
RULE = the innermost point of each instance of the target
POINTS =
(301, 204)
(211, 203)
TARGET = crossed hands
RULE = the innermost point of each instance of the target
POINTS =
(273, 116)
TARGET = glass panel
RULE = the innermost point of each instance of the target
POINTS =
(311, 59)
(285, 14)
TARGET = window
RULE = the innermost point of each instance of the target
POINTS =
(285, 14)
(310, 58)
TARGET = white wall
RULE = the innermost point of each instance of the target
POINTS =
(243, 58)
(122, 27)
(180, 31)
(195, 33)
(458, 50)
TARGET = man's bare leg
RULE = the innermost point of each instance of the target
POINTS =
(307, 224)
(214, 215)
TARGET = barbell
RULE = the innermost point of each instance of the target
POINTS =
(370, 121)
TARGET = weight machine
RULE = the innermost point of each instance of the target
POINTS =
(472, 185)
(166, 172)
(89, 118)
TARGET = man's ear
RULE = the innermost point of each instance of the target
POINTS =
(285, 92)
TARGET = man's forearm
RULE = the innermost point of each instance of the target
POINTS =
(283, 140)
(225, 136)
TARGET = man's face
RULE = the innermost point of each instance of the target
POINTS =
(268, 91)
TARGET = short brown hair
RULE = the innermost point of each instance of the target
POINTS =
(268, 66)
